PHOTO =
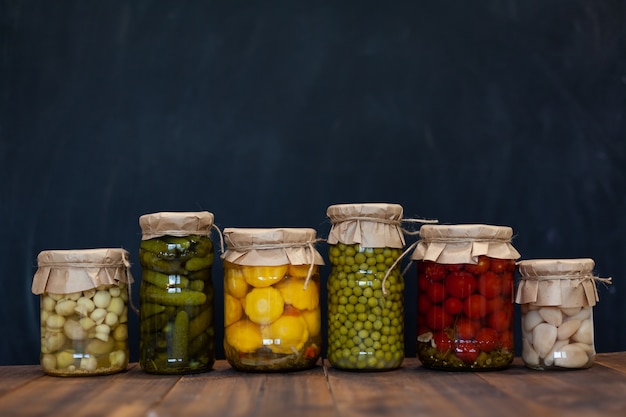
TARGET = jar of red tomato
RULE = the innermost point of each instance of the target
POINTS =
(465, 296)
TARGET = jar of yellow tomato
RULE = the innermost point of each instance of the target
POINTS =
(271, 299)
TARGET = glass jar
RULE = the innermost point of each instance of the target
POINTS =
(84, 311)
(465, 287)
(176, 294)
(557, 298)
(365, 288)
(272, 311)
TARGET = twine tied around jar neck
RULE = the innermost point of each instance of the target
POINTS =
(407, 250)
(582, 278)
(266, 246)
(465, 239)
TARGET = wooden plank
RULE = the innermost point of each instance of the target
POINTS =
(615, 360)
(598, 391)
(123, 394)
(13, 377)
(415, 390)
(227, 392)
(467, 394)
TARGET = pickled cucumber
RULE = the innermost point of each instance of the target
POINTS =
(164, 280)
(181, 297)
(198, 263)
(152, 261)
(150, 309)
(180, 337)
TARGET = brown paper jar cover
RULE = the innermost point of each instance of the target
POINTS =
(177, 224)
(69, 271)
(557, 282)
(464, 243)
(371, 225)
(271, 246)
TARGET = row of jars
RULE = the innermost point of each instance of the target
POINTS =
(272, 315)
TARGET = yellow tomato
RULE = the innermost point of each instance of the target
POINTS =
(300, 271)
(264, 305)
(235, 282)
(232, 309)
(293, 293)
(263, 276)
(288, 334)
(313, 321)
(244, 336)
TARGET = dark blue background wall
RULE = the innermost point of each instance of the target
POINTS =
(502, 112)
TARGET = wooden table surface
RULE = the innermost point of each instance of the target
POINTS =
(322, 391)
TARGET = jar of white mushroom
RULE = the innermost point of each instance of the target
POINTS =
(557, 298)
(84, 298)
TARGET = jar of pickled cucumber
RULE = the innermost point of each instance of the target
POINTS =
(465, 281)
(176, 295)
(365, 287)
(272, 319)
(557, 298)
(84, 310)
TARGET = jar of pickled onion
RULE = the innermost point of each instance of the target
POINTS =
(465, 313)
(272, 316)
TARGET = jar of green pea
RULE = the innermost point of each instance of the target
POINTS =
(365, 287)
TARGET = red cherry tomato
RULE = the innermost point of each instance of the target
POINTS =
(500, 320)
(475, 306)
(507, 284)
(467, 351)
(433, 271)
(442, 342)
(423, 304)
(489, 284)
(422, 282)
(487, 339)
(480, 267)
(506, 340)
(436, 292)
(464, 329)
(460, 284)
(454, 267)
(453, 306)
(502, 265)
(495, 304)
(437, 318)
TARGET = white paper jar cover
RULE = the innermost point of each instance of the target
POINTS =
(557, 298)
